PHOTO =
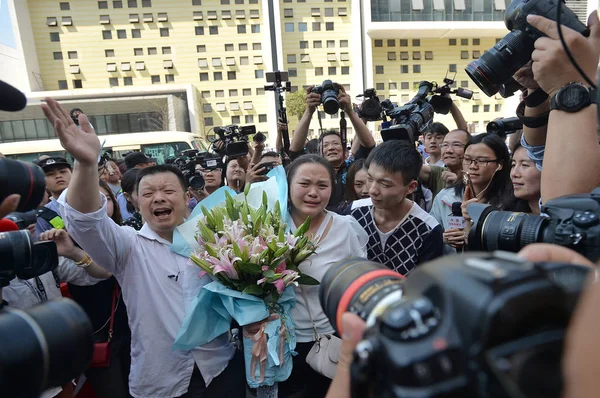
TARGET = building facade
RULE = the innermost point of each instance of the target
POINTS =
(213, 55)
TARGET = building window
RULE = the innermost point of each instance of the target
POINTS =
(379, 86)
(203, 76)
(464, 55)
(328, 12)
(162, 17)
(55, 37)
(293, 72)
(136, 34)
(51, 21)
(224, 2)
(244, 61)
(106, 34)
(213, 30)
(113, 81)
(452, 42)
(416, 42)
(331, 70)
(164, 32)
(316, 26)
(328, 25)
(259, 74)
(318, 71)
(498, 107)
(121, 34)
(317, 44)
(291, 58)
(199, 30)
(196, 2)
(155, 79)
(416, 55)
(229, 47)
(65, 6)
(464, 83)
(205, 94)
(140, 65)
(201, 48)
(452, 68)
(288, 12)
(132, 3)
(246, 92)
(476, 54)
(138, 52)
(146, 3)
(217, 76)
(378, 43)
(464, 42)
(242, 28)
(219, 93)
(231, 75)
(403, 68)
(392, 86)
(345, 70)
(476, 42)
(343, 43)
(62, 85)
(391, 56)
(342, 11)
(109, 53)
(403, 42)
(152, 51)
(289, 27)
(117, 4)
(404, 85)
(379, 69)
(249, 118)
(243, 46)
(128, 81)
(475, 108)
(208, 121)
(303, 44)
(302, 27)
(256, 46)
(262, 118)
(58, 55)
(304, 58)
(233, 92)
(330, 43)
(169, 78)
(235, 119)
(166, 50)
(416, 68)
(72, 54)
(486, 108)
(216, 62)
(102, 5)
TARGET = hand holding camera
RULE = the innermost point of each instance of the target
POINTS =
(551, 66)
(313, 99)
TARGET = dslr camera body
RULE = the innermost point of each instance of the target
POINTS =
(234, 139)
(473, 325)
(572, 221)
(371, 109)
(495, 68)
(329, 96)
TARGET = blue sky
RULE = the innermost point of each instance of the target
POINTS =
(7, 37)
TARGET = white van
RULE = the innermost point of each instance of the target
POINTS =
(158, 144)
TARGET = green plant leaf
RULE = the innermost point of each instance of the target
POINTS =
(202, 264)
(236, 250)
(303, 228)
(253, 290)
(269, 273)
(211, 252)
(246, 191)
(281, 251)
(249, 268)
(207, 235)
(265, 200)
(307, 280)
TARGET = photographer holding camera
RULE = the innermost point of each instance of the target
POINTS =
(330, 142)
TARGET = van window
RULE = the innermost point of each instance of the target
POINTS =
(199, 145)
(33, 157)
(165, 150)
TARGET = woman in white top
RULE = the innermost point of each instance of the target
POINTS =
(310, 181)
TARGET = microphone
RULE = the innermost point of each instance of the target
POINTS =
(11, 99)
(456, 220)
(7, 225)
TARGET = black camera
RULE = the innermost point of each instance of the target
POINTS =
(26, 179)
(504, 126)
(45, 346)
(497, 66)
(370, 109)
(233, 140)
(329, 96)
(23, 220)
(572, 221)
(412, 119)
(472, 325)
(268, 166)
(259, 137)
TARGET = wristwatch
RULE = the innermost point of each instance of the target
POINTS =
(572, 98)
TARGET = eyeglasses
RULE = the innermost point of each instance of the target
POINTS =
(454, 145)
(478, 162)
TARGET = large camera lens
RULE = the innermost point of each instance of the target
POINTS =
(503, 230)
(21, 257)
(359, 286)
(329, 98)
(499, 63)
(28, 180)
(45, 346)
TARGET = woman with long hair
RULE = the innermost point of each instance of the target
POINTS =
(128, 186)
(526, 180)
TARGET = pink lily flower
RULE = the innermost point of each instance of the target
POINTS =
(279, 285)
(281, 268)
(224, 264)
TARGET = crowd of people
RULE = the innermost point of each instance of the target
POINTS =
(113, 224)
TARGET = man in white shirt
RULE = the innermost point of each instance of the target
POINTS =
(157, 284)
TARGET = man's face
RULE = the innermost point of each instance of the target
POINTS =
(387, 190)
(332, 149)
(57, 180)
(432, 143)
(212, 178)
(116, 176)
(453, 149)
(161, 200)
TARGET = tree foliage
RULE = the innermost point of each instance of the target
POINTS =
(295, 103)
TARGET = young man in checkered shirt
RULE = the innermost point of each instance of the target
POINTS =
(401, 234)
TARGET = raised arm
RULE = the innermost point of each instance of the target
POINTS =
(362, 131)
(459, 119)
(301, 133)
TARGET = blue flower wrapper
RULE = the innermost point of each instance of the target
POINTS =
(211, 313)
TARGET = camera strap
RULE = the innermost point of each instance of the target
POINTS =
(531, 121)
(38, 290)
(343, 135)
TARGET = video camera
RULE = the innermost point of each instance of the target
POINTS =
(572, 221)
(329, 96)
(412, 119)
(190, 158)
(504, 126)
(496, 66)
(473, 325)
(370, 109)
(233, 140)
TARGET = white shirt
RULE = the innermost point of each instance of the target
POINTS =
(142, 263)
(346, 239)
(438, 163)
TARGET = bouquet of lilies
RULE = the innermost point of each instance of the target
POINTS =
(249, 250)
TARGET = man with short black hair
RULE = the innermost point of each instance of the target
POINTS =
(401, 234)
(434, 135)
(137, 160)
(157, 284)
(58, 176)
